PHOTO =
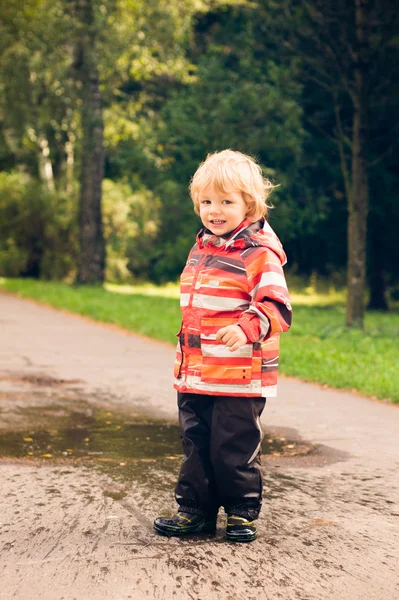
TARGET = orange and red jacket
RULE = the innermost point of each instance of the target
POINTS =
(239, 281)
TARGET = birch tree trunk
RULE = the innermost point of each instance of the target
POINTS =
(45, 165)
(70, 161)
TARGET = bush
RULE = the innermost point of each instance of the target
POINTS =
(13, 260)
(131, 222)
(38, 230)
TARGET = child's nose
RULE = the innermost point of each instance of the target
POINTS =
(215, 210)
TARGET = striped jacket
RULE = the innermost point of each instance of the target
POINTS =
(235, 281)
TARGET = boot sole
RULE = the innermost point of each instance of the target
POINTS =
(211, 528)
(241, 539)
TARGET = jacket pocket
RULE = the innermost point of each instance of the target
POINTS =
(219, 364)
(178, 357)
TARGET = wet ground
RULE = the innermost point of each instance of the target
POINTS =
(84, 469)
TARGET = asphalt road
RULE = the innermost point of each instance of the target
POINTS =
(89, 453)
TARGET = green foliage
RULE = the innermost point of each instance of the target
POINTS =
(241, 98)
(319, 348)
(180, 79)
(37, 229)
(37, 91)
(131, 220)
(13, 260)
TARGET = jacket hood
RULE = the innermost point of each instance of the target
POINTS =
(247, 235)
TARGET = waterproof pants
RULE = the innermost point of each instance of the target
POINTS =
(221, 437)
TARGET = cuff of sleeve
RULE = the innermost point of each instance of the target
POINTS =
(251, 327)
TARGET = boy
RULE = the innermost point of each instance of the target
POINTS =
(234, 303)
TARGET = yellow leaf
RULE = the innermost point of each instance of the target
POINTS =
(47, 455)
(317, 522)
(28, 439)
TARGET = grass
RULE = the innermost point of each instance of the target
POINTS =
(318, 347)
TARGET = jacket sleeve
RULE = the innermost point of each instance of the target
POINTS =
(270, 310)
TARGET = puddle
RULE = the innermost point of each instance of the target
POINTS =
(103, 435)
(128, 448)
(100, 435)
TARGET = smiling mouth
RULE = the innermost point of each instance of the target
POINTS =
(217, 222)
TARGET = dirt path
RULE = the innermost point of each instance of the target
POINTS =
(90, 451)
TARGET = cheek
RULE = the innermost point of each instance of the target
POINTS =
(202, 212)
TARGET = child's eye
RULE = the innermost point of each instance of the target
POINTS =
(205, 201)
(226, 201)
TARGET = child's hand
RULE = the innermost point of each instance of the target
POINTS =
(233, 336)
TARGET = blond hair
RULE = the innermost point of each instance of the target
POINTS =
(232, 171)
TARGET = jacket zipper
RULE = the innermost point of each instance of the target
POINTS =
(178, 335)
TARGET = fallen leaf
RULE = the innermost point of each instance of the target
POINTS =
(47, 455)
(316, 522)
(28, 439)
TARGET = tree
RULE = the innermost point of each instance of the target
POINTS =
(344, 46)
(91, 265)
(37, 91)
(239, 97)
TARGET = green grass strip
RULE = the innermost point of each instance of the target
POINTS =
(317, 348)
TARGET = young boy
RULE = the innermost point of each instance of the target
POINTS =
(234, 303)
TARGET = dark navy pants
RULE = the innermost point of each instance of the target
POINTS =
(221, 437)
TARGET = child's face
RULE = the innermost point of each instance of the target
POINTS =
(221, 212)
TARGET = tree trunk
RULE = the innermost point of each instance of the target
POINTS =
(92, 247)
(357, 229)
(358, 199)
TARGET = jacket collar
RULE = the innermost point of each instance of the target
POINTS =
(207, 238)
